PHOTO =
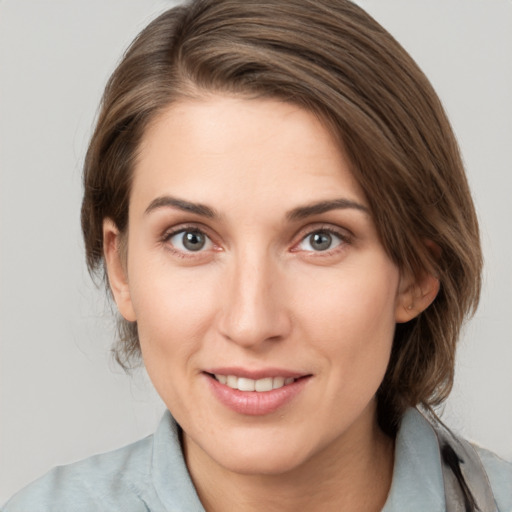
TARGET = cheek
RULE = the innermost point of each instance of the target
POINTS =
(174, 308)
(173, 314)
(351, 319)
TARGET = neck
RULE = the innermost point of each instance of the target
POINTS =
(353, 473)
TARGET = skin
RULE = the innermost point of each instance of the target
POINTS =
(260, 294)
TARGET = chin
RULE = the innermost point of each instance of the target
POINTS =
(269, 462)
(263, 451)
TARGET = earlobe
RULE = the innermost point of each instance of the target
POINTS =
(116, 269)
(416, 295)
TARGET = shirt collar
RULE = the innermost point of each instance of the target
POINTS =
(417, 475)
(169, 472)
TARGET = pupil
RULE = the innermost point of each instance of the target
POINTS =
(193, 240)
(321, 241)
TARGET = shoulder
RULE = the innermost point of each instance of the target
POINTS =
(111, 481)
(499, 473)
(480, 474)
(149, 475)
(438, 470)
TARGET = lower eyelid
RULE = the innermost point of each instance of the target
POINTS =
(166, 237)
(207, 240)
(343, 239)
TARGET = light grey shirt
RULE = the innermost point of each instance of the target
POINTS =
(151, 475)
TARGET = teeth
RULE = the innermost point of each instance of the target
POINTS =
(264, 384)
(244, 384)
(278, 382)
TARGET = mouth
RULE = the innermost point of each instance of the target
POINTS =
(256, 393)
(258, 385)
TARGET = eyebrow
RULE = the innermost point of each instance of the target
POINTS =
(299, 213)
(181, 204)
(303, 212)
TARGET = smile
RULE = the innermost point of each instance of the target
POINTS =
(260, 385)
(255, 393)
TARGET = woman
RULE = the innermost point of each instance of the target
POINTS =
(278, 202)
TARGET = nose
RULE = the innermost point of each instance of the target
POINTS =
(254, 306)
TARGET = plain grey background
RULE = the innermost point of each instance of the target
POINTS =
(61, 396)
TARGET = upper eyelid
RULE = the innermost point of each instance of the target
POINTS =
(336, 233)
(342, 232)
(187, 226)
(171, 232)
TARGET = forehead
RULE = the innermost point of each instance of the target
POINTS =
(221, 146)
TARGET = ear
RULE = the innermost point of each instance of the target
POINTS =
(115, 262)
(416, 293)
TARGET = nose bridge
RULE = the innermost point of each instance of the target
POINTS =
(254, 310)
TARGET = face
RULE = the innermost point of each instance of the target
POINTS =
(265, 302)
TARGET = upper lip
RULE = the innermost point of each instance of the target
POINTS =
(256, 374)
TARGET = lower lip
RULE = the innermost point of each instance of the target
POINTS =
(256, 403)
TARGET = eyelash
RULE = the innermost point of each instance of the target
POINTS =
(344, 238)
(169, 234)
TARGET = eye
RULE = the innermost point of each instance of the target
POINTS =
(320, 240)
(189, 240)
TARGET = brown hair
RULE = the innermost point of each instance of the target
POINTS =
(332, 58)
